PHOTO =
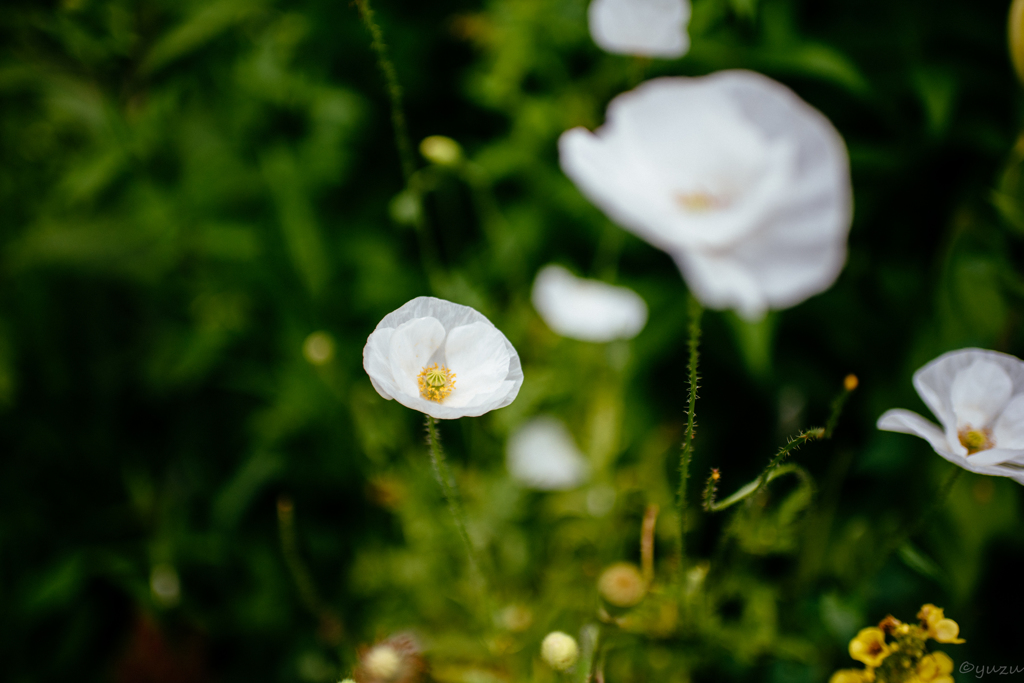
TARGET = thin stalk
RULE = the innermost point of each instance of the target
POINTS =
(402, 140)
(909, 530)
(754, 486)
(451, 493)
(330, 627)
(695, 311)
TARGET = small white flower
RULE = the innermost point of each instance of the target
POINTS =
(978, 397)
(646, 28)
(442, 359)
(743, 183)
(542, 455)
(588, 310)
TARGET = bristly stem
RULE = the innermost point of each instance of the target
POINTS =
(402, 139)
(451, 492)
(695, 312)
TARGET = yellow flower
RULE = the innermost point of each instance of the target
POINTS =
(852, 676)
(869, 646)
(935, 668)
(939, 627)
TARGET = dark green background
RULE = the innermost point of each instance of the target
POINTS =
(189, 189)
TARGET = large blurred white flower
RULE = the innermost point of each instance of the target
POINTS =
(743, 183)
(978, 397)
(542, 455)
(588, 310)
(647, 28)
(442, 359)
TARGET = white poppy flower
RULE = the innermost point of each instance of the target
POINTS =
(978, 397)
(742, 182)
(588, 310)
(442, 359)
(646, 28)
(542, 455)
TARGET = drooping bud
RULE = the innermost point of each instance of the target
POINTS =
(559, 650)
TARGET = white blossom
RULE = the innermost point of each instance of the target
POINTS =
(588, 310)
(646, 28)
(542, 455)
(743, 183)
(442, 359)
(978, 397)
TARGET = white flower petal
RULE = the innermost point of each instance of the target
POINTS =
(651, 28)
(1008, 431)
(745, 184)
(909, 422)
(588, 310)
(542, 455)
(376, 363)
(412, 345)
(979, 393)
(994, 456)
(477, 354)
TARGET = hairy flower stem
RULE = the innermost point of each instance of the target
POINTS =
(695, 312)
(451, 493)
(402, 139)
(413, 180)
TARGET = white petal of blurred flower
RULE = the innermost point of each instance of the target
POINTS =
(742, 182)
(646, 28)
(588, 310)
(442, 359)
(978, 397)
(542, 455)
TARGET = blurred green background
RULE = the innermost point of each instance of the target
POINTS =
(189, 189)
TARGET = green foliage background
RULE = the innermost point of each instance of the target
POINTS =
(189, 189)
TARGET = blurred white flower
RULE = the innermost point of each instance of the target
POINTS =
(743, 183)
(647, 28)
(588, 310)
(442, 359)
(978, 397)
(542, 455)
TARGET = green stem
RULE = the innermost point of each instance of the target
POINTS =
(402, 139)
(695, 311)
(754, 486)
(940, 499)
(451, 492)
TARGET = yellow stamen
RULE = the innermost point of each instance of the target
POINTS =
(975, 440)
(436, 383)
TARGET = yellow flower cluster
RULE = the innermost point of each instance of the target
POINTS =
(904, 658)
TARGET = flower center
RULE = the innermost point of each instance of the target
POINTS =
(436, 383)
(975, 440)
(698, 202)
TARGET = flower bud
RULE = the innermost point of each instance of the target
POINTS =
(383, 663)
(318, 348)
(559, 650)
(850, 382)
(946, 631)
(622, 585)
(441, 150)
(1016, 31)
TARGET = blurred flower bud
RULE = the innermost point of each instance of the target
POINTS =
(1016, 31)
(318, 348)
(405, 208)
(559, 650)
(622, 585)
(441, 150)
(850, 382)
(165, 585)
(383, 663)
(946, 631)
(395, 660)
